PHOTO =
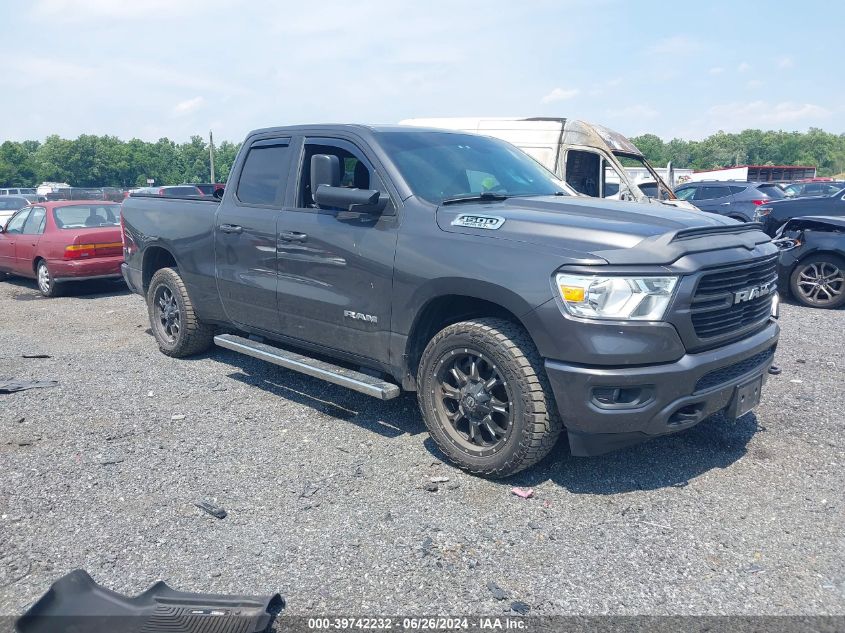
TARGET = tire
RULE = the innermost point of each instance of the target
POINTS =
(818, 281)
(174, 323)
(46, 283)
(508, 371)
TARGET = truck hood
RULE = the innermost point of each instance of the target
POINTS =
(617, 232)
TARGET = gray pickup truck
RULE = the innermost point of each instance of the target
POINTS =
(453, 265)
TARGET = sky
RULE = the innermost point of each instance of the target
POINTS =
(153, 68)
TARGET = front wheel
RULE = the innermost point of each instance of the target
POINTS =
(46, 282)
(819, 281)
(485, 397)
(174, 323)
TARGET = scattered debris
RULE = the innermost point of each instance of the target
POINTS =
(775, 370)
(427, 546)
(27, 441)
(36, 356)
(534, 525)
(150, 394)
(177, 416)
(522, 608)
(308, 490)
(111, 461)
(439, 480)
(431, 487)
(796, 381)
(547, 503)
(454, 485)
(497, 591)
(11, 386)
(210, 508)
(524, 493)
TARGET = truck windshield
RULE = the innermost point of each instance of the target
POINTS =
(442, 166)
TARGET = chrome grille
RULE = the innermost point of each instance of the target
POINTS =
(714, 312)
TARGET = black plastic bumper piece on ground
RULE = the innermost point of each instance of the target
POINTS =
(76, 603)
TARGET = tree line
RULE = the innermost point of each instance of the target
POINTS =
(100, 161)
(107, 161)
(751, 147)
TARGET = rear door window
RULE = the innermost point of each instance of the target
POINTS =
(713, 192)
(264, 172)
(34, 224)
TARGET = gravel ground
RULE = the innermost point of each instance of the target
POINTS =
(325, 488)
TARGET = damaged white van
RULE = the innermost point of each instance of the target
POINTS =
(589, 158)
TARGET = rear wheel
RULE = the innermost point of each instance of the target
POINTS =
(46, 282)
(174, 323)
(485, 397)
(819, 281)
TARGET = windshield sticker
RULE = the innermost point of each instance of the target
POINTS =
(475, 221)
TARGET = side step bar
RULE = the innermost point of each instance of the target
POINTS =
(348, 378)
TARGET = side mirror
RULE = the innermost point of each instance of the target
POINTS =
(325, 170)
(357, 201)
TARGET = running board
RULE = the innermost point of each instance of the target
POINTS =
(348, 378)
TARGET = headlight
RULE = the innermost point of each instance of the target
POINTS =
(594, 297)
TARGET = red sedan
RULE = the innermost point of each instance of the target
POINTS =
(62, 241)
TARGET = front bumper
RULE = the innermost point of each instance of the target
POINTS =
(86, 269)
(673, 396)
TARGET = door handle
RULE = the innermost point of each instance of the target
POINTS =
(292, 236)
(231, 228)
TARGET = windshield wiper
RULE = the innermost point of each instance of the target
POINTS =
(486, 195)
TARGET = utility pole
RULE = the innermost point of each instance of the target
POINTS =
(211, 154)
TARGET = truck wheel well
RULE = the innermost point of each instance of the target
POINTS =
(441, 312)
(155, 259)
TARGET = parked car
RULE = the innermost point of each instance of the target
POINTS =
(774, 214)
(16, 191)
(208, 188)
(454, 265)
(9, 205)
(811, 266)
(62, 241)
(813, 189)
(179, 191)
(735, 199)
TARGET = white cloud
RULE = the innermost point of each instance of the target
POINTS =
(716, 70)
(743, 67)
(762, 113)
(560, 94)
(675, 45)
(188, 106)
(754, 84)
(786, 62)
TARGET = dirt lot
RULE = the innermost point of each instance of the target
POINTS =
(324, 487)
